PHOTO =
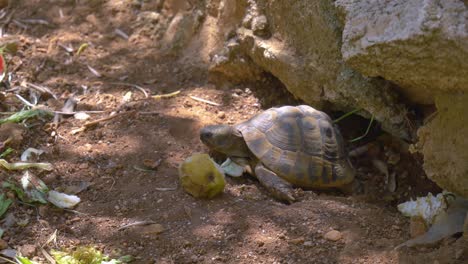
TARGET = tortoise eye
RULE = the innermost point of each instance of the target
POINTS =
(205, 135)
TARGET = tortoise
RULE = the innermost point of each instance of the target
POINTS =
(286, 147)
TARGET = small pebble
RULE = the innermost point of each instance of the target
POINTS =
(333, 235)
(3, 244)
(308, 244)
(296, 241)
(221, 114)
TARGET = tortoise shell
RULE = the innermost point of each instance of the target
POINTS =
(300, 144)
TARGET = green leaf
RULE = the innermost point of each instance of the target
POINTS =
(126, 259)
(1, 232)
(26, 114)
(7, 152)
(4, 204)
(24, 260)
(19, 192)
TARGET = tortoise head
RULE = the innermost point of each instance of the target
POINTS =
(225, 139)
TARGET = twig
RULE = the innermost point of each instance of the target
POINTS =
(203, 100)
(7, 260)
(24, 101)
(72, 113)
(134, 86)
(21, 25)
(35, 21)
(74, 211)
(94, 71)
(121, 34)
(41, 89)
(160, 96)
(148, 113)
(138, 223)
(47, 256)
(165, 189)
(95, 122)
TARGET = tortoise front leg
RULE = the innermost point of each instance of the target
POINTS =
(278, 187)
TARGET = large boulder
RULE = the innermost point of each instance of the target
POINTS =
(421, 45)
(444, 143)
(299, 42)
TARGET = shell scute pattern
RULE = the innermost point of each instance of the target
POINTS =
(299, 143)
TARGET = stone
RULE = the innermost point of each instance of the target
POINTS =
(443, 141)
(28, 250)
(296, 241)
(333, 235)
(260, 26)
(420, 44)
(306, 59)
(3, 244)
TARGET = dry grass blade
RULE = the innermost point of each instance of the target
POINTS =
(52, 238)
(121, 34)
(41, 89)
(19, 24)
(204, 101)
(24, 101)
(160, 96)
(7, 260)
(69, 49)
(134, 86)
(36, 21)
(165, 189)
(48, 257)
(94, 71)
(138, 223)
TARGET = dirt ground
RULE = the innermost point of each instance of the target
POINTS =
(244, 224)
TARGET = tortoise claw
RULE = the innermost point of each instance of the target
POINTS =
(278, 187)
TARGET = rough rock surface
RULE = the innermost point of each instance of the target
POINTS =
(299, 43)
(444, 144)
(421, 45)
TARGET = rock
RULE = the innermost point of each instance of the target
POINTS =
(420, 45)
(333, 235)
(306, 59)
(28, 250)
(418, 226)
(444, 145)
(182, 29)
(221, 115)
(308, 244)
(296, 241)
(3, 244)
(459, 253)
(260, 26)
